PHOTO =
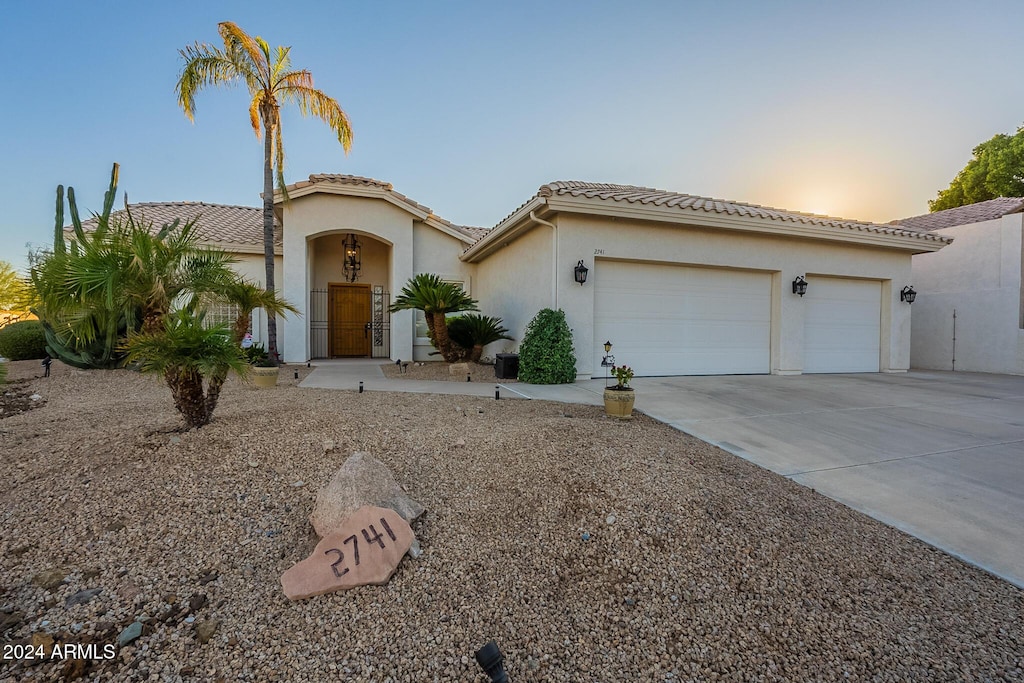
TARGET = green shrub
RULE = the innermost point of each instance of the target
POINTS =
(23, 341)
(546, 355)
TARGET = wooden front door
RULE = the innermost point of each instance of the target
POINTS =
(349, 321)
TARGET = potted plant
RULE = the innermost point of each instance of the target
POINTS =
(618, 400)
(262, 367)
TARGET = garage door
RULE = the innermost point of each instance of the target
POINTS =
(676, 320)
(841, 325)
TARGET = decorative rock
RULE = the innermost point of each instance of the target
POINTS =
(130, 634)
(197, 602)
(415, 551)
(49, 579)
(82, 597)
(610, 520)
(328, 445)
(458, 369)
(44, 640)
(365, 549)
(36, 397)
(206, 629)
(361, 481)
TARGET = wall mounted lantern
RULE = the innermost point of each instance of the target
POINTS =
(579, 273)
(908, 294)
(353, 261)
(800, 285)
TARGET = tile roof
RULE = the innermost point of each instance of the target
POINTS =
(685, 202)
(470, 231)
(216, 222)
(963, 215)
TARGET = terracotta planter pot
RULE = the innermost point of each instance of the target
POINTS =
(619, 403)
(264, 377)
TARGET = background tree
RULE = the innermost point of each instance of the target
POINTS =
(996, 170)
(13, 289)
(271, 82)
(436, 298)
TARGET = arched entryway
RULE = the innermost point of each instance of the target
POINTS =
(349, 298)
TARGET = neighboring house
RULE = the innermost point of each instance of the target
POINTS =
(679, 284)
(969, 312)
(237, 230)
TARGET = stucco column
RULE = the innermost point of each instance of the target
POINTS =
(402, 322)
(787, 327)
(296, 292)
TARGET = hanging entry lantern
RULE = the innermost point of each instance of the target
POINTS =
(353, 261)
(908, 294)
(800, 285)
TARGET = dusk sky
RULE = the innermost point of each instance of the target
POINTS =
(856, 109)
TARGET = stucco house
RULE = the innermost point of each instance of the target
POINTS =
(969, 314)
(679, 284)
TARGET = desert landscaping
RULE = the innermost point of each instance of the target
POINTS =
(588, 548)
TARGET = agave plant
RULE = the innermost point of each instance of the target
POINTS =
(473, 332)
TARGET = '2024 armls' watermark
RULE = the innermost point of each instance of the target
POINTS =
(59, 651)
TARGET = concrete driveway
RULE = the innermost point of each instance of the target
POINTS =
(939, 455)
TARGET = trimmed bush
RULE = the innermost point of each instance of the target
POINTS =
(23, 341)
(546, 355)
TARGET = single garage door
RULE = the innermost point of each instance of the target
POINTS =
(680, 320)
(841, 325)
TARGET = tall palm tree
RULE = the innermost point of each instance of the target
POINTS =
(271, 82)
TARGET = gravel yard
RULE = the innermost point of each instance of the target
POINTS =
(590, 549)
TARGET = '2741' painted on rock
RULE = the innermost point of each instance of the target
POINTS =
(366, 549)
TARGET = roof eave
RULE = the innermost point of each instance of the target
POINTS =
(515, 224)
(917, 244)
(368, 192)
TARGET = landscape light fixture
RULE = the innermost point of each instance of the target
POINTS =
(579, 273)
(491, 660)
(353, 261)
(800, 285)
(908, 294)
(607, 347)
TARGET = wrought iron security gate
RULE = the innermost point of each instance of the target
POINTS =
(322, 327)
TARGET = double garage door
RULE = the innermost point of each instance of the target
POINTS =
(682, 320)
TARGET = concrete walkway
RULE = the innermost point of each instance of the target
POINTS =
(939, 455)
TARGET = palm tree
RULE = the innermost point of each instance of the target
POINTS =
(271, 82)
(247, 297)
(436, 298)
(186, 352)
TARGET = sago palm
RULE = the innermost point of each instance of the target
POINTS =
(272, 82)
(474, 331)
(436, 298)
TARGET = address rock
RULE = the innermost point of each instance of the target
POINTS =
(362, 480)
(458, 369)
(365, 549)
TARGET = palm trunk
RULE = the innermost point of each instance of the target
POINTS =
(268, 231)
(450, 351)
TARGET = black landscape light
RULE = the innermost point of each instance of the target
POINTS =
(490, 659)
(800, 285)
(908, 294)
(579, 273)
(607, 347)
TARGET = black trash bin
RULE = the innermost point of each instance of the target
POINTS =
(506, 365)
